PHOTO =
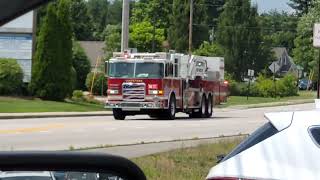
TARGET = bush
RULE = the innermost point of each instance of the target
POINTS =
(287, 86)
(99, 80)
(77, 95)
(11, 76)
(81, 65)
(265, 86)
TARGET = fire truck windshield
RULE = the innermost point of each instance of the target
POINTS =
(136, 70)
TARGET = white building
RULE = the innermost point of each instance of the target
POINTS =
(16, 42)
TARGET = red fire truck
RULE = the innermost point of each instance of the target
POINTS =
(162, 84)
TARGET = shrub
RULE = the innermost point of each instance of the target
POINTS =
(265, 86)
(287, 86)
(77, 95)
(81, 65)
(99, 80)
(11, 76)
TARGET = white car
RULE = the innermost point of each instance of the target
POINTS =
(287, 147)
(26, 175)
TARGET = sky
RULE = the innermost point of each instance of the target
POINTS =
(267, 5)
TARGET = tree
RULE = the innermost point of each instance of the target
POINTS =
(52, 66)
(112, 35)
(155, 11)
(207, 49)
(239, 34)
(301, 6)
(179, 29)
(80, 20)
(81, 65)
(304, 53)
(141, 37)
(279, 29)
(98, 11)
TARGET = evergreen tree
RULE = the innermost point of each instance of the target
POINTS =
(51, 74)
(179, 28)
(240, 35)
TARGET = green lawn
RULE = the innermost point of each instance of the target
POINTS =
(242, 100)
(182, 164)
(18, 105)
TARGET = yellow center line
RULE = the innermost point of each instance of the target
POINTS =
(31, 129)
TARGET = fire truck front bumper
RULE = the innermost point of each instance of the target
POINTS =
(134, 105)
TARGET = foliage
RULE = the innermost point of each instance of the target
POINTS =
(265, 87)
(77, 95)
(304, 53)
(98, 10)
(279, 29)
(52, 68)
(141, 37)
(155, 11)
(287, 86)
(207, 49)
(11, 76)
(301, 6)
(99, 85)
(81, 65)
(103, 13)
(179, 29)
(239, 34)
(112, 39)
(80, 20)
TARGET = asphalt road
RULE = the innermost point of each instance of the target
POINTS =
(76, 132)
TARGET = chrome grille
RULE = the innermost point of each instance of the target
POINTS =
(133, 91)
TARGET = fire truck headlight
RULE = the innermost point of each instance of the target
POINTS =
(155, 92)
(113, 91)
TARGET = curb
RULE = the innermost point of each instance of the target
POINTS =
(101, 147)
(261, 105)
(48, 115)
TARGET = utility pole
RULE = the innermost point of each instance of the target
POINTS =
(190, 27)
(125, 26)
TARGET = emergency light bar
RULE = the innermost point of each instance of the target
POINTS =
(141, 55)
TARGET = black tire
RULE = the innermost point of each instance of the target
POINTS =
(172, 109)
(209, 107)
(118, 114)
(202, 111)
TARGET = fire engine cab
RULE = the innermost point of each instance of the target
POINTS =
(162, 84)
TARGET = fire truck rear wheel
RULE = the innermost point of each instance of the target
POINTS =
(118, 114)
(202, 111)
(171, 111)
(209, 107)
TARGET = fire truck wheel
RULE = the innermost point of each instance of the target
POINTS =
(118, 114)
(171, 111)
(203, 107)
(209, 107)
(202, 111)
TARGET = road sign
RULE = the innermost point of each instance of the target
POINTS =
(274, 67)
(250, 72)
(316, 35)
